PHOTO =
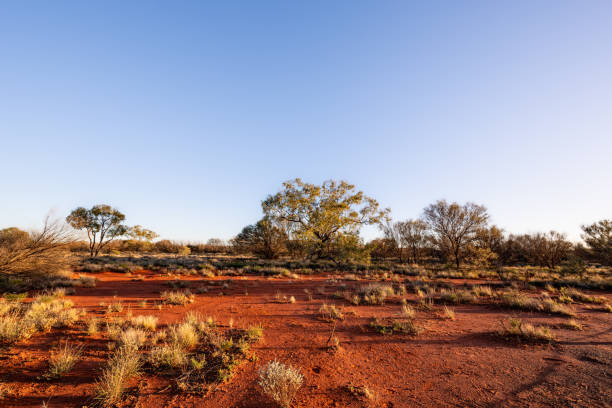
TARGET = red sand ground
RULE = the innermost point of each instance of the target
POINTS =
(457, 363)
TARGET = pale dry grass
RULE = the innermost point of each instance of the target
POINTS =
(280, 382)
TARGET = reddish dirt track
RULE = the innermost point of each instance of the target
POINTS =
(457, 363)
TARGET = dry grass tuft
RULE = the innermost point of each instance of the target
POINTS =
(407, 311)
(110, 387)
(448, 313)
(572, 324)
(177, 298)
(145, 322)
(64, 360)
(525, 331)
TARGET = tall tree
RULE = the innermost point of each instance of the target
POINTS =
(598, 237)
(455, 226)
(322, 214)
(102, 222)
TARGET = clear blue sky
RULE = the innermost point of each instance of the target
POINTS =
(185, 115)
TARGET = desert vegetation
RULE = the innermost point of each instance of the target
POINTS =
(148, 321)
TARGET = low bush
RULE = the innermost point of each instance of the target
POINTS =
(19, 321)
(525, 331)
(177, 298)
(404, 326)
(330, 312)
(373, 294)
(280, 382)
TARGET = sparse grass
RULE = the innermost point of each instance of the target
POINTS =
(254, 333)
(448, 313)
(145, 322)
(330, 312)
(457, 296)
(168, 356)
(20, 321)
(132, 338)
(62, 361)
(582, 297)
(360, 391)
(87, 281)
(113, 330)
(372, 294)
(110, 387)
(525, 331)
(405, 326)
(572, 324)
(185, 335)
(198, 354)
(482, 291)
(407, 311)
(115, 307)
(177, 298)
(92, 326)
(280, 298)
(280, 382)
(14, 328)
(517, 300)
(607, 308)
(550, 306)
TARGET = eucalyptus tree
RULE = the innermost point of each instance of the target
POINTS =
(455, 226)
(322, 216)
(102, 223)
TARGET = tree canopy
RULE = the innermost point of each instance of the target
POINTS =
(598, 237)
(455, 226)
(102, 222)
(322, 214)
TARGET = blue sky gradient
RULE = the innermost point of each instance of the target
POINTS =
(185, 115)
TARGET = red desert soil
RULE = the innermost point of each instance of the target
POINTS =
(457, 363)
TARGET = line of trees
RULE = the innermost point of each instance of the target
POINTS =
(323, 222)
(305, 220)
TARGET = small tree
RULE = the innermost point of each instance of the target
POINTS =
(415, 237)
(455, 226)
(542, 249)
(102, 223)
(263, 238)
(598, 237)
(321, 214)
(215, 242)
